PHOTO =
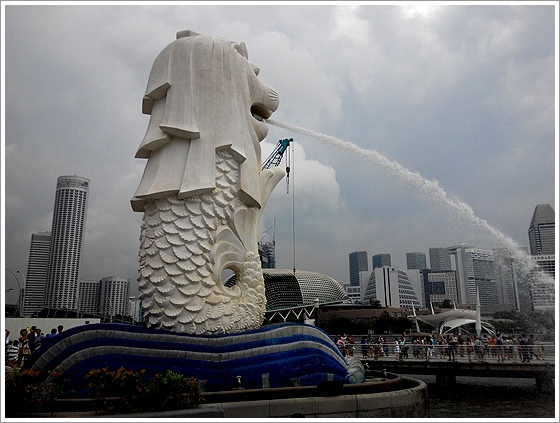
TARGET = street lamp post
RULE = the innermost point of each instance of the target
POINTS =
(316, 305)
(20, 292)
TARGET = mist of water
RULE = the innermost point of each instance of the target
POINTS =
(426, 188)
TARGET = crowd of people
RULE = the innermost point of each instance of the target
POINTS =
(447, 346)
(30, 339)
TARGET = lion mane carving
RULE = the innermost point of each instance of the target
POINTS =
(203, 190)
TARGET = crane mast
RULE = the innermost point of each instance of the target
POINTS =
(276, 156)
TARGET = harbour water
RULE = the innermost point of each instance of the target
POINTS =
(489, 398)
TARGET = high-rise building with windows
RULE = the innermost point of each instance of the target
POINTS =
(88, 296)
(440, 260)
(114, 293)
(267, 253)
(542, 238)
(437, 287)
(358, 262)
(506, 278)
(542, 231)
(380, 260)
(36, 280)
(67, 234)
(475, 270)
(416, 261)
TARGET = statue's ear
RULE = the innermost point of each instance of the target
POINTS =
(242, 50)
(186, 33)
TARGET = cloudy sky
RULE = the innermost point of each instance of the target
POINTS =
(459, 95)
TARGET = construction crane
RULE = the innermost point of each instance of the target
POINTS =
(276, 156)
(274, 160)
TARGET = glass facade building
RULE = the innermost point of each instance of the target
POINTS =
(416, 261)
(380, 260)
(358, 262)
(440, 259)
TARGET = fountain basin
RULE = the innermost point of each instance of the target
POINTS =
(392, 396)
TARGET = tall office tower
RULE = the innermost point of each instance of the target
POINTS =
(358, 262)
(67, 234)
(542, 245)
(416, 261)
(114, 293)
(440, 260)
(88, 296)
(392, 288)
(36, 280)
(542, 285)
(475, 269)
(506, 278)
(542, 230)
(267, 253)
(135, 310)
(438, 286)
(380, 260)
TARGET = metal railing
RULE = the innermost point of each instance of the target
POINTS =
(512, 353)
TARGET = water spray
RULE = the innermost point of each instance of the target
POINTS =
(430, 189)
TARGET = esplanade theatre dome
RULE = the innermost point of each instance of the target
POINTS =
(284, 289)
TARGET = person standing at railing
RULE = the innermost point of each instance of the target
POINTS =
(492, 346)
(397, 350)
(500, 347)
(531, 348)
(524, 345)
(364, 344)
(485, 344)
(540, 349)
(469, 347)
(478, 349)
(508, 341)
(461, 342)
(518, 348)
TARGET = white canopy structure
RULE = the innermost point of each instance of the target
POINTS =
(448, 320)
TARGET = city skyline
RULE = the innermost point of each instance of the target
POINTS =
(457, 94)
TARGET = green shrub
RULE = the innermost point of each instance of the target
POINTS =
(28, 391)
(125, 390)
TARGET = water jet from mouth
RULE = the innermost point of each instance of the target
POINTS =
(428, 189)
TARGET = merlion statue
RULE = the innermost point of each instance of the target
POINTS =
(203, 190)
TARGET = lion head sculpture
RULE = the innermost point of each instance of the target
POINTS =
(203, 95)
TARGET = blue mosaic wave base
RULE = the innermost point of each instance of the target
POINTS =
(272, 356)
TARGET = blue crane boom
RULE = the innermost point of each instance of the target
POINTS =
(276, 156)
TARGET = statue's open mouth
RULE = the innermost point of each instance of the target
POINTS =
(260, 113)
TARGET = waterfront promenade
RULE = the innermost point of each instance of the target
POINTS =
(446, 371)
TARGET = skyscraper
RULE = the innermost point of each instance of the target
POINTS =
(358, 262)
(380, 260)
(440, 260)
(36, 280)
(542, 245)
(67, 234)
(475, 269)
(437, 287)
(113, 296)
(416, 261)
(267, 253)
(506, 278)
(542, 230)
(88, 296)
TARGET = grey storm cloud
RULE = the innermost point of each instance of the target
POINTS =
(462, 94)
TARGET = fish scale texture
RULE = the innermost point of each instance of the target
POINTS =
(184, 247)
